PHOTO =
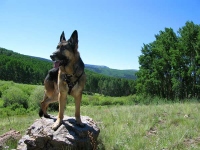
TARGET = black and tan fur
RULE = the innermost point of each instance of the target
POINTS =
(68, 74)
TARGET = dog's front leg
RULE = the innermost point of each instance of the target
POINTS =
(77, 109)
(62, 102)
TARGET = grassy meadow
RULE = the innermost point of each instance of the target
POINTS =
(125, 123)
(170, 126)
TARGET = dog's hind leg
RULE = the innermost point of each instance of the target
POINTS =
(43, 107)
(45, 103)
(50, 96)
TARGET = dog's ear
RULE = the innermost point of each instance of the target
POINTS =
(62, 37)
(74, 38)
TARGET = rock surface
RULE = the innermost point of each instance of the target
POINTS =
(40, 136)
(12, 134)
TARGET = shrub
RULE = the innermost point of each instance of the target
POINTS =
(14, 95)
(20, 111)
(54, 106)
(118, 102)
(105, 102)
(15, 106)
(1, 102)
(36, 97)
(28, 89)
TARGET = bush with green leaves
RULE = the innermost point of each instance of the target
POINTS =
(14, 95)
(36, 97)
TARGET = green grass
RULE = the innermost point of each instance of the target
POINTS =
(34, 94)
(132, 122)
(139, 127)
(1, 103)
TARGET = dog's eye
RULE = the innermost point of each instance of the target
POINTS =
(63, 47)
(58, 47)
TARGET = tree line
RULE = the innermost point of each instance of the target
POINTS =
(170, 65)
(21, 68)
(30, 70)
(109, 86)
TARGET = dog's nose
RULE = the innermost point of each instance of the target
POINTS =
(52, 57)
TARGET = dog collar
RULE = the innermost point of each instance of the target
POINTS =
(67, 78)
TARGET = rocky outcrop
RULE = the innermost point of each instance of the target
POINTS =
(10, 135)
(40, 135)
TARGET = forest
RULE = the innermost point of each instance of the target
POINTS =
(21, 68)
(169, 68)
(170, 65)
(32, 70)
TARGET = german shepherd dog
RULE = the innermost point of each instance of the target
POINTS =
(67, 77)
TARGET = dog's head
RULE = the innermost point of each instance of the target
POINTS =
(66, 50)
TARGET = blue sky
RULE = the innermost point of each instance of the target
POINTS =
(111, 32)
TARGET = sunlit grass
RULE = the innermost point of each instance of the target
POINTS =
(138, 127)
(146, 127)
(18, 123)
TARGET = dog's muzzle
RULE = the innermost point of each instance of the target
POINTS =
(56, 60)
(53, 57)
(57, 56)
(59, 60)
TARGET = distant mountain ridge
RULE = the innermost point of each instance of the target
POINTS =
(95, 66)
(40, 58)
(127, 74)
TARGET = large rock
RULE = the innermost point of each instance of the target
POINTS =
(10, 135)
(40, 136)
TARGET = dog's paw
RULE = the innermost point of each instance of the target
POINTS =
(79, 123)
(57, 124)
(47, 116)
(41, 113)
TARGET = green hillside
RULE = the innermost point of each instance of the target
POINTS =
(21, 68)
(127, 74)
(32, 70)
(104, 70)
